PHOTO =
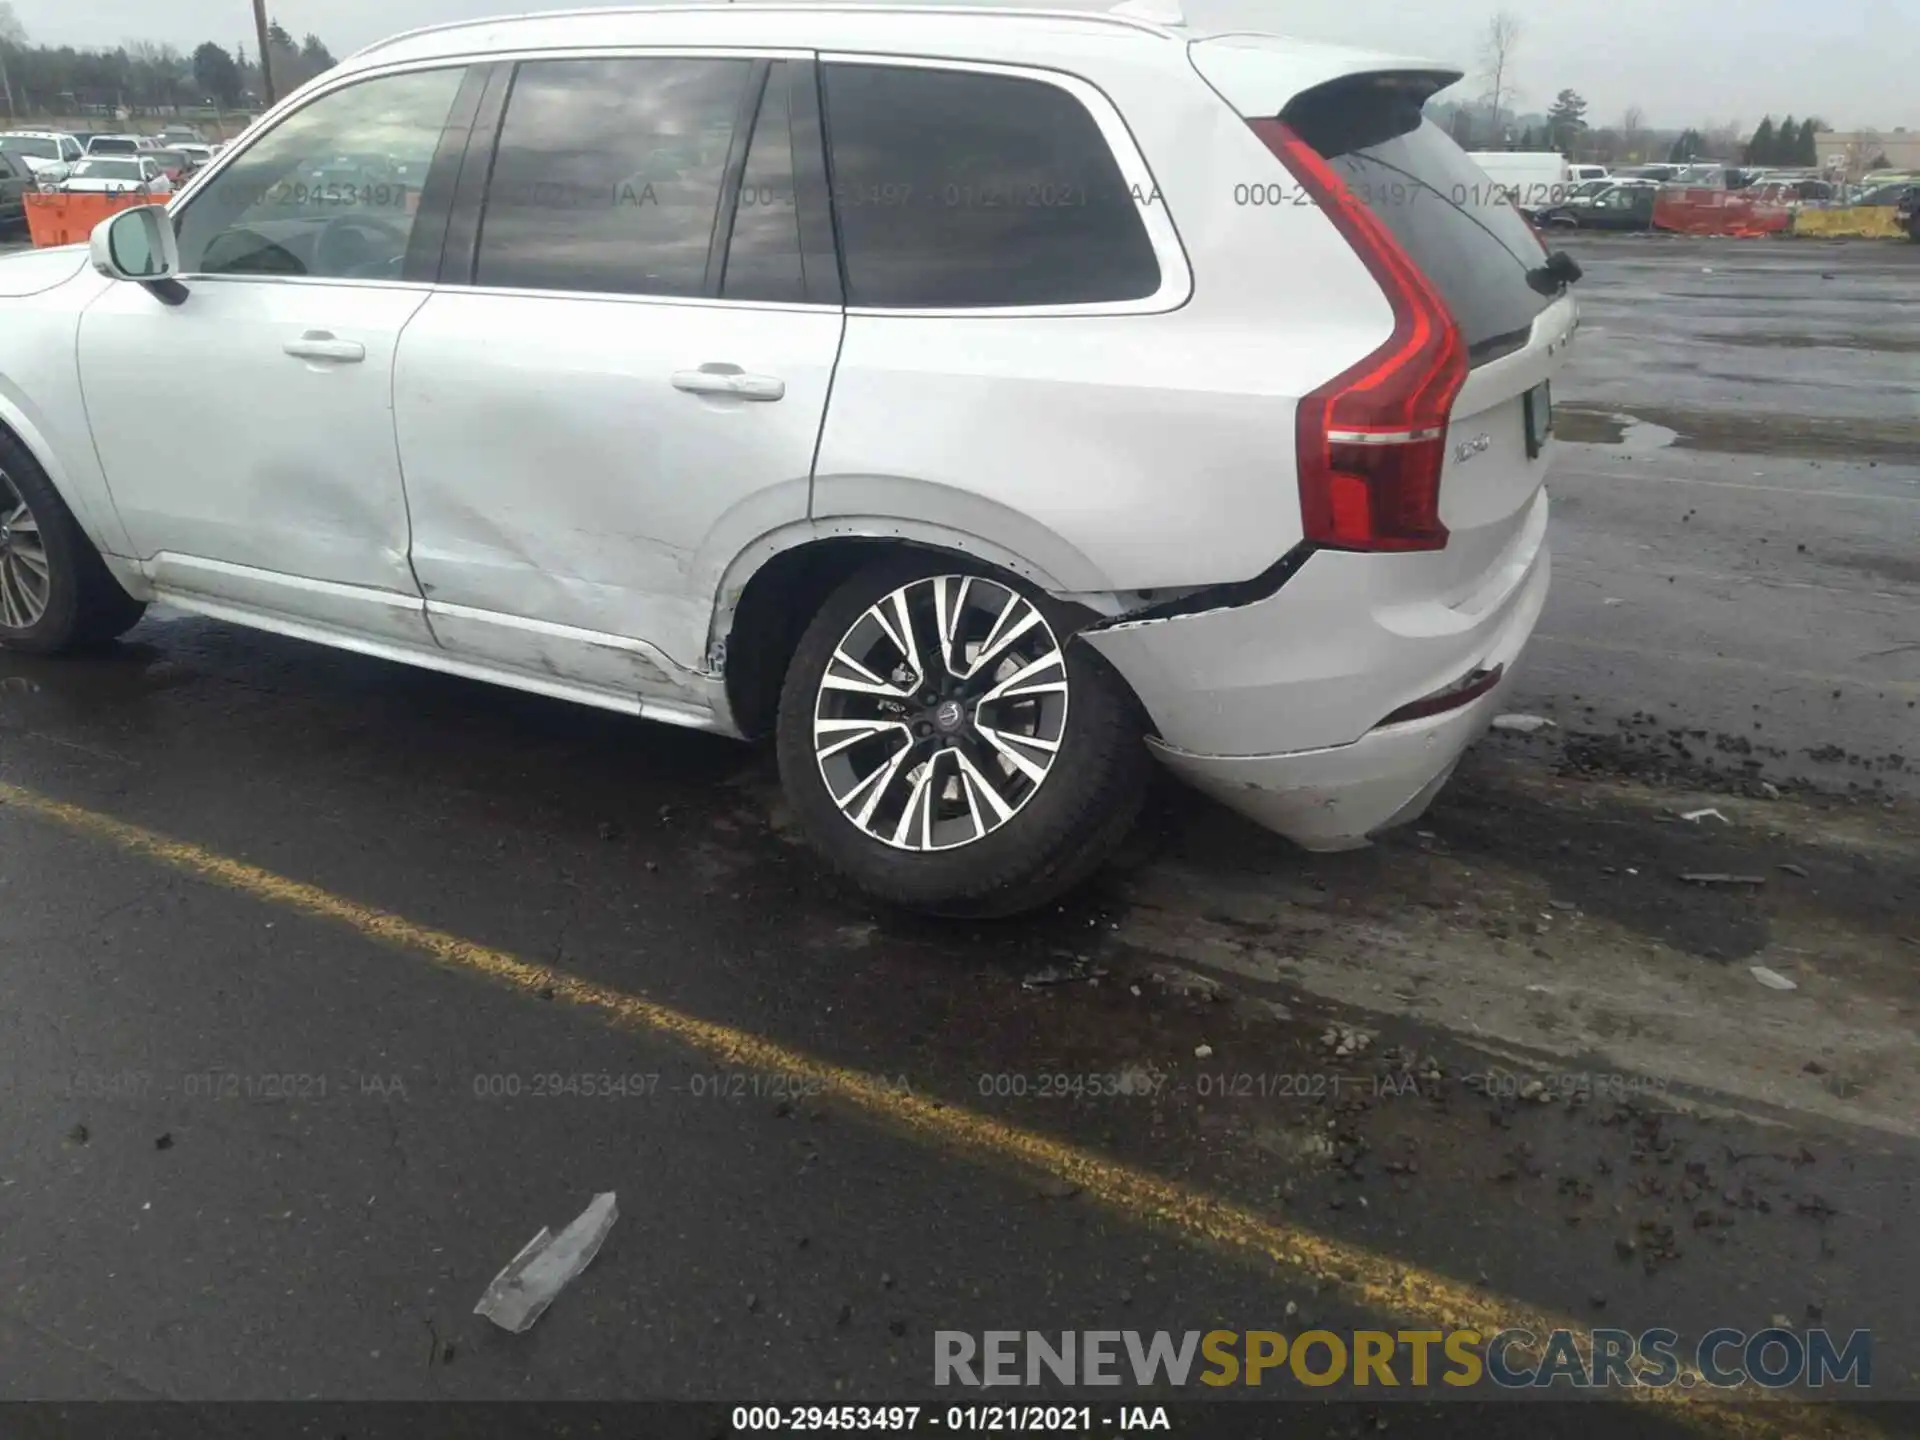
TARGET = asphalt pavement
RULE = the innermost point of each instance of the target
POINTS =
(325, 984)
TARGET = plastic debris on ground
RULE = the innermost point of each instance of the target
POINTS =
(1079, 967)
(521, 1293)
(1772, 979)
(1522, 724)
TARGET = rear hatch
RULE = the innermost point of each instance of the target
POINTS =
(1357, 141)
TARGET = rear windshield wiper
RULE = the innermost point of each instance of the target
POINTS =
(1560, 271)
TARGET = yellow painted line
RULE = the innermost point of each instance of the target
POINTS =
(1376, 1281)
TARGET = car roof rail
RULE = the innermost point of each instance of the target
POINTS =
(1153, 17)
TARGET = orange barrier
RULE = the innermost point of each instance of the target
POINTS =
(1692, 211)
(60, 218)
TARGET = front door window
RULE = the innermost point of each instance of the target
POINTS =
(331, 191)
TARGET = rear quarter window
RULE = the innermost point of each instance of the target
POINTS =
(959, 189)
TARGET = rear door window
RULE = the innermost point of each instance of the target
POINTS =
(959, 189)
(1451, 219)
(609, 174)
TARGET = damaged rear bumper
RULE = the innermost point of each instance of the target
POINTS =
(1316, 670)
(1340, 797)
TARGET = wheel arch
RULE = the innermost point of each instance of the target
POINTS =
(18, 425)
(773, 588)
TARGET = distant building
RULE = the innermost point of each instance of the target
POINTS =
(1856, 150)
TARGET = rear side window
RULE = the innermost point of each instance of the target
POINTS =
(956, 190)
(1440, 206)
(608, 175)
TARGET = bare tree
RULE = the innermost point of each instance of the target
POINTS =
(12, 34)
(1722, 141)
(1498, 46)
(1862, 152)
(1633, 132)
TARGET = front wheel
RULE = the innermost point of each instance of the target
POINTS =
(55, 592)
(947, 748)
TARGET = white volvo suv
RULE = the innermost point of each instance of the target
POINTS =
(980, 402)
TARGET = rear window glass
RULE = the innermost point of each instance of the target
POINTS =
(1440, 206)
(109, 170)
(30, 145)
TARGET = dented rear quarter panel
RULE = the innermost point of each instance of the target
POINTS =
(1151, 450)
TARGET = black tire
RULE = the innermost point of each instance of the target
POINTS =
(1067, 828)
(85, 605)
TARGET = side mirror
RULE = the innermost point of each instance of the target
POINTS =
(139, 245)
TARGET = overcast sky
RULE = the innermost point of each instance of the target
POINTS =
(1851, 62)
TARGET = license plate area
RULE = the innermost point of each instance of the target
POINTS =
(1539, 418)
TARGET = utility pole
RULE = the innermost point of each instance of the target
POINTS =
(266, 52)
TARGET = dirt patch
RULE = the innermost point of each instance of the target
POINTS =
(1589, 427)
(1815, 437)
(1550, 913)
(1897, 568)
(1875, 344)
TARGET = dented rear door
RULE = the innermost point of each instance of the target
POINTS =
(620, 381)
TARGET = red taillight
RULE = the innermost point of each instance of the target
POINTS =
(1373, 441)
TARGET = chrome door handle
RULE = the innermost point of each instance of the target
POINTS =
(730, 380)
(320, 345)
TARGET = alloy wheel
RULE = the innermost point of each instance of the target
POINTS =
(26, 580)
(941, 712)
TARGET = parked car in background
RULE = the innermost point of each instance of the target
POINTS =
(120, 144)
(16, 183)
(1706, 175)
(176, 165)
(1579, 173)
(117, 175)
(1624, 206)
(173, 135)
(1582, 192)
(701, 410)
(1896, 194)
(1795, 194)
(350, 175)
(47, 154)
(198, 151)
(1659, 171)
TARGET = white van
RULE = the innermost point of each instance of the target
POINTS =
(1533, 179)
